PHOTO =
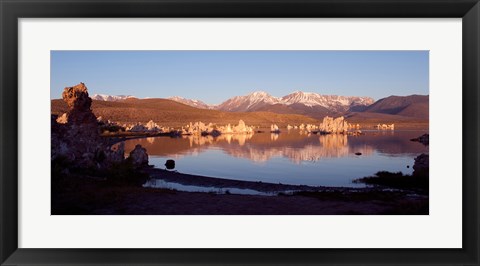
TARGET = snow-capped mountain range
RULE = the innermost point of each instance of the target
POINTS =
(262, 101)
(329, 101)
(111, 98)
(309, 104)
(193, 103)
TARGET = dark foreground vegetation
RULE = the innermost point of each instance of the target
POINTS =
(417, 183)
(120, 174)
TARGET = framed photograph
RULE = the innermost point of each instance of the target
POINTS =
(226, 132)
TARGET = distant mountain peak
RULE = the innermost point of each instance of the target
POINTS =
(249, 102)
(111, 98)
(299, 92)
(411, 105)
(261, 99)
(176, 97)
(259, 93)
(190, 102)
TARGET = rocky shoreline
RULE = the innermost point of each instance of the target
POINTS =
(79, 195)
(205, 181)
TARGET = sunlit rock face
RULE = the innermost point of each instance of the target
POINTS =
(79, 104)
(200, 128)
(150, 127)
(274, 128)
(62, 119)
(310, 127)
(242, 128)
(331, 125)
(76, 136)
(386, 127)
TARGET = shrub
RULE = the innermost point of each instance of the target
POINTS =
(417, 183)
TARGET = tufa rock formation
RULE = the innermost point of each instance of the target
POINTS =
(200, 128)
(79, 105)
(336, 126)
(76, 139)
(385, 127)
(139, 156)
(274, 128)
(150, 127)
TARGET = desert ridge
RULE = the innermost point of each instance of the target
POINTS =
(171, 113)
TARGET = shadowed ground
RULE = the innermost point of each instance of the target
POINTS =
(86, 195)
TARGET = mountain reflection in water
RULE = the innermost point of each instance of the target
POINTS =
(291, 157)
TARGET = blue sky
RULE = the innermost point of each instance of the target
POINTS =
(214, 76)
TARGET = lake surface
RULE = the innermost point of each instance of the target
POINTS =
(291, 157)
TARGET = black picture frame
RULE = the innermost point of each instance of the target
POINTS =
(12, 10)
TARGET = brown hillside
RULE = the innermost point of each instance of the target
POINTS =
(170, 113)
(418, 110)
(276, 108)
(315, 112)
(369, 120)
(413, 106)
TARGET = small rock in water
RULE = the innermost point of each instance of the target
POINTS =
(358, 153)
(170, 164)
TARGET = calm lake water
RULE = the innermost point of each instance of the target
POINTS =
(291, 157)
